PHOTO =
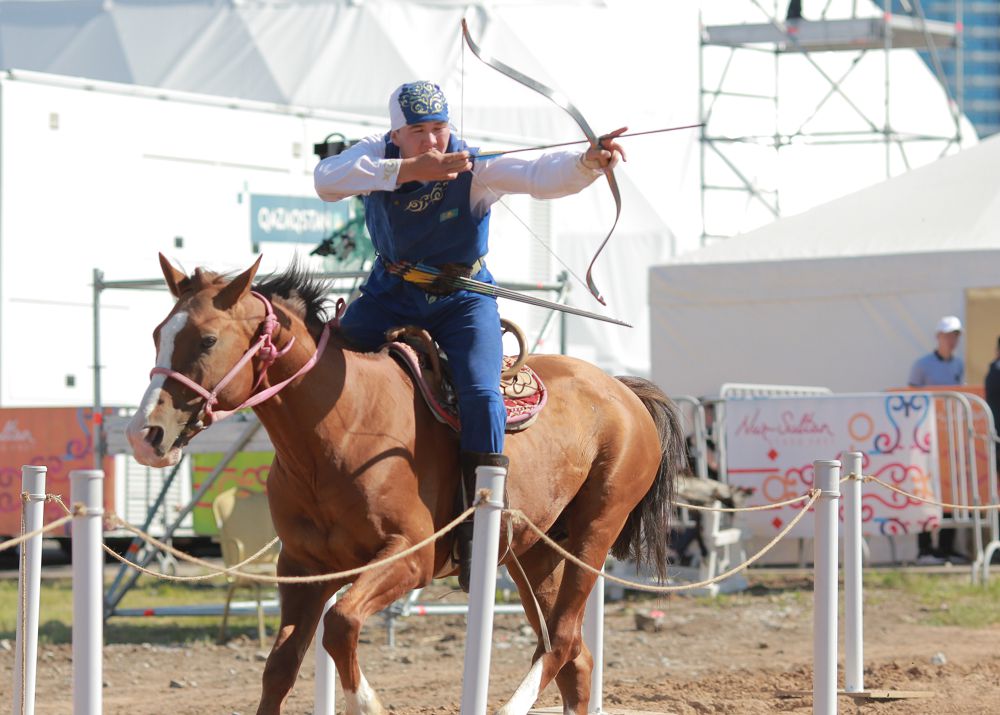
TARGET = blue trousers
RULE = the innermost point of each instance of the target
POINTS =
(467, 327)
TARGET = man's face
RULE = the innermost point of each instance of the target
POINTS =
(948, 342)
(416, 139)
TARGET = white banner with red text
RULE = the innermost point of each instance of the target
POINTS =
(771, 444)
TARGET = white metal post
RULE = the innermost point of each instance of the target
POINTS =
(326, 674)
(87, 488)
(825, 588)
(593, 636)
(482, 591)
(853, 613)
(28, 585)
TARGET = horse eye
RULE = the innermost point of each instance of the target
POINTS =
(208, 341)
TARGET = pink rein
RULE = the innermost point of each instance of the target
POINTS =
(268, 354)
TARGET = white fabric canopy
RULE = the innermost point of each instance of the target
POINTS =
(845, 295)
(953, 203)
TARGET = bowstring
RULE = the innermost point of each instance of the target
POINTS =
(499, 199)
(547, 247)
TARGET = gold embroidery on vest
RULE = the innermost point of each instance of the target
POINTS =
(432, 197)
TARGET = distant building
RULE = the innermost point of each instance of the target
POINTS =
(981, 84)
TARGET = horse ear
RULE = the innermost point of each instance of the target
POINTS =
(172, 276)
(237, 287)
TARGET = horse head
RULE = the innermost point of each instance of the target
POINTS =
(203, 360)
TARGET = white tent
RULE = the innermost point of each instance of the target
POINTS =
(620, 61)
(346, 56)
(845, 295)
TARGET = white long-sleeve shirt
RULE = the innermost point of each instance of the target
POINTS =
(363, 168)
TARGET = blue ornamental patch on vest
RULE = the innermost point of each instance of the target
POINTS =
(447, 215)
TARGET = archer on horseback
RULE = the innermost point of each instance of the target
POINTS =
(427, 203)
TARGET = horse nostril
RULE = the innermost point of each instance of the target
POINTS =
(154, 436)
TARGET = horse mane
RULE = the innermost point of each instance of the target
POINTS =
(305, 295)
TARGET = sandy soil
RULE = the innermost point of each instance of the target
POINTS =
(706, 657)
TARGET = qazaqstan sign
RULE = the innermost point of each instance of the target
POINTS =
(294, 219)
(771, 445)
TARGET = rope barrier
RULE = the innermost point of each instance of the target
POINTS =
(233, 571)
(812, 496)
(163, 546)
(971, 507)
(484, 496)
(733, 510)
(11, 543)
(762, 507)
(116, 521)
(317, 578)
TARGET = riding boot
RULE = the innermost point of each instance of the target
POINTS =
(464, 498)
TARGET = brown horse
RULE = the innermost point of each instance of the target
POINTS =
(362, 471)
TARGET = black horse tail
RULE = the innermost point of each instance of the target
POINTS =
(646, 534)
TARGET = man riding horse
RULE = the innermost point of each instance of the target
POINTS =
(427, 202)
(358, 480)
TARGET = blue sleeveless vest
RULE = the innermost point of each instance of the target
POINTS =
(430, 223)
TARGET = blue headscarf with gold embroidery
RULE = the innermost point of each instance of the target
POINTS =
(416, 102)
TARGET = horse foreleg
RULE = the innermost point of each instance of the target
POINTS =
(301, 605)
(372, 591)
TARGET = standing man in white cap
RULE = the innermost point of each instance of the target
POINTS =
(427, 201)
(940, 367)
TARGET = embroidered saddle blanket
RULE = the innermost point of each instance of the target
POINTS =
(524, 395)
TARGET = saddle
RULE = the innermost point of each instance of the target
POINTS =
(522, 390)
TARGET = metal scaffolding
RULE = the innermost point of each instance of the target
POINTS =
(728, 166)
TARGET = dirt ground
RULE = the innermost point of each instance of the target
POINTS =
(732, 656)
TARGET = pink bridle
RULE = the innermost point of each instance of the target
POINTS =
(267, 352)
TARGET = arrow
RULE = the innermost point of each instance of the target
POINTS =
(429, 276)
(491, 154)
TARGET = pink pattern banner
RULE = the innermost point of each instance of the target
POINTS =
(771, 445)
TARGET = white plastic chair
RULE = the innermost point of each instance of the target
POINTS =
(244, 522)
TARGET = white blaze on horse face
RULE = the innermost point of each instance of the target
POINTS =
(164, 356)
(364, 701)
(526, 694)
(135, 432)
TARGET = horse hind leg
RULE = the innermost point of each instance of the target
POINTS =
(574, 681)
(593, 525)
(569, 662)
